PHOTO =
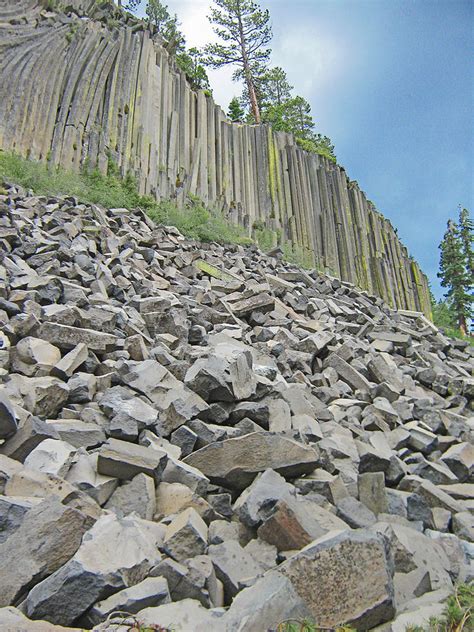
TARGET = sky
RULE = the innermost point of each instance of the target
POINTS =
(391, 82)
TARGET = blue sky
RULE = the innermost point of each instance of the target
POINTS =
(391, 82)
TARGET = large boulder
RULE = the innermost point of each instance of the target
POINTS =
(234, 463)
(47, 538)
(114, 554)
(344, 578)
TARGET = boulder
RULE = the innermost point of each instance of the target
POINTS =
(234, 463)
(48, 536)
(114, 554)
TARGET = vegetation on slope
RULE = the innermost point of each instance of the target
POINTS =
(111, 191)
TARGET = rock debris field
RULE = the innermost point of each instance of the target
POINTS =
(210, 439)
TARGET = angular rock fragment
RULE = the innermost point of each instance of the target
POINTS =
(113, 555)
(8, 422)
(149, 593)
(235, 462)
(338, 595)
(186, 535)
(47, 538)
(125, 460)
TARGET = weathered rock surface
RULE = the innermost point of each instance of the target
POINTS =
(236, 462)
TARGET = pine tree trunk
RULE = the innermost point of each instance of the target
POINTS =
(253, 100)
(462, 324)
(248, 76)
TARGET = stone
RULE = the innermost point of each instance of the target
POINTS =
(233, 566)
(463, 525)
(186, 535)
(31, 433)
(48, 537)
(136, 496)
(338, 595)
(177, 471)
(255, 503)
(265, 605)
(372, 492)
(460, 460)
(235, 462)
(79, 433)
(113, 554)
(83, 474)
(37, 352)
(355, 513)
(8, 422)
(294, 523)
(347, 373)
(12, 513)
(182, 616)
(262, 303)
(172, 498)
(13, 620)
(149, 593)
(66, 366)
(67, 338)
(221, 531)
(125, 460)
(51, 456)
(44, 396)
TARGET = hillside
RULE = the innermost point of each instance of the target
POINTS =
(84, 85)
(206, 438)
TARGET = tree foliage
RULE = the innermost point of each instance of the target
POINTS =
(191, 63)
(455, 268)
(235, 112)
(244, 31)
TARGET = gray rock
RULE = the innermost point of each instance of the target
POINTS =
(355, 513)
(125, 460)
(235, 462)
(136, 496)
(149, 593)
(30, 434)
(12, 513)
(340, 595)
(47, 538)
(8, 422)
(186, 535)
(233, 566)
(113, 554)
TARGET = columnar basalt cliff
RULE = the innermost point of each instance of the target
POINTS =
(81, 83)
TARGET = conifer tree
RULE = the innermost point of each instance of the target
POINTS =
(455, 274)
(235, 111)
(466, 232)
(244, 30)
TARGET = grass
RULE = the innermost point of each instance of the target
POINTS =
(112, 191)
(90, 186)
(458, 614)
(296, 625)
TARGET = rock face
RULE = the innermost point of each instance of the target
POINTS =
(236, 462)
(345, 577)
(89, 116)
(221, 430)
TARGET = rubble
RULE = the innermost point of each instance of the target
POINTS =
(177, 442)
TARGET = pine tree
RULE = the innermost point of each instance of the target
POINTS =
(455, 276)
(157, 13)
(191, 63)
(235, 111)
(275, 86)
(466, 232)
(245, 31)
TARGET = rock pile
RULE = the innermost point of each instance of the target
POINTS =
(206, 437)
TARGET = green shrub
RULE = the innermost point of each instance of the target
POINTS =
(197, 222)
(458, 615)
(112, 191)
